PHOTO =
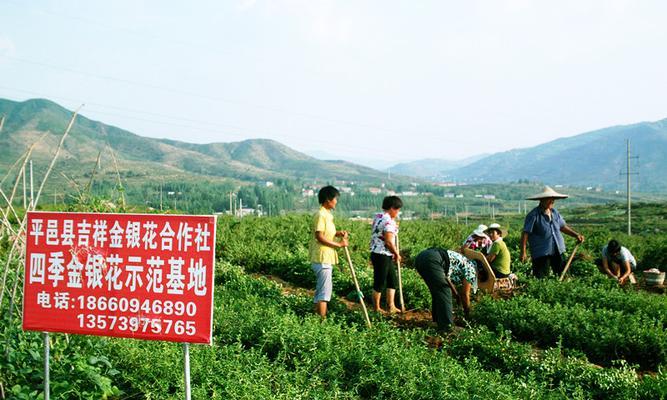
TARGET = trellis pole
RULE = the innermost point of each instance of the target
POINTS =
(400, 280)
(356, 285)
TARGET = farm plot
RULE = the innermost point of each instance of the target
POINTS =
(579, 339)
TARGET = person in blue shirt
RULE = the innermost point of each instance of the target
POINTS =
(542, 232)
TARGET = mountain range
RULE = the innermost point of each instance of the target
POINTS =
(433, 167)
(596, 158)
(43, 122)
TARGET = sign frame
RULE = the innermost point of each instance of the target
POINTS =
(142, 312)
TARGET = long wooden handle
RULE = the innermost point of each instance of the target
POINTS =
(400, 280)
(356, 285)
(569, 261)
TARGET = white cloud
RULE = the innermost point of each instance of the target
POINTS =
(324, 22)
(6, 46)
(246, 4)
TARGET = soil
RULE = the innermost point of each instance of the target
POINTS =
(408, 319)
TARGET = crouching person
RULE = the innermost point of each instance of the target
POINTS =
(617, 262)
(441, 270)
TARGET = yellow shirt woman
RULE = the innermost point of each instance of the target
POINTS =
(323, 221)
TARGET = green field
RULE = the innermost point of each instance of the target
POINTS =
(583, 338)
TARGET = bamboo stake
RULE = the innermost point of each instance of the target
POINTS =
(569, 261)
(5, 222)
(356, 285)
(33, 204)
(9, 260)
(25, 197)
(22, 171)
(120, 183)
(16, 184)
(92, 175)
(400, 280)
(24, 157)
(72, 183)
(32, 189)
(55, 156)
(10, 169)
(9, 206)
(17, 278)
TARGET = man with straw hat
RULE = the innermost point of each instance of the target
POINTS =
(542, 231)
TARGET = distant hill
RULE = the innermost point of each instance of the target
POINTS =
(432, 167)
(595, 158)
(249, 160)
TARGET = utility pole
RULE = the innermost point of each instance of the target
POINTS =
(629, 207)
(628, 189)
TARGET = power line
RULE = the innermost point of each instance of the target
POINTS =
(158, 38)
(212, 98)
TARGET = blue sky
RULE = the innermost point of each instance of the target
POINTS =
(373, 81)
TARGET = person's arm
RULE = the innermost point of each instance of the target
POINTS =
(569, 231)
(524, 241)
(605, 268)
(465, 297)
(490, 257)
(336, 245)
(390, 244)
(341, 233)
(626, 274)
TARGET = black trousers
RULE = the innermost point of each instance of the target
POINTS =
(433, 266)
(541, 265)
(384, 272)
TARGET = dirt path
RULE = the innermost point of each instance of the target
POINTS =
(409, 319)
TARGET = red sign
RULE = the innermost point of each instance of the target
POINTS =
(142, 276)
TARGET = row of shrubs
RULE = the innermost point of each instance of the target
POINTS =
(268, 345)
(602, 335)
(572, 376)
(597, 294)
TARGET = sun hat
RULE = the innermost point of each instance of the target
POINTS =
(479, 231)
(548, 193)
(496, 227)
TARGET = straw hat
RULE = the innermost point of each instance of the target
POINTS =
(496, 227)
(479, 231)
(548, 193)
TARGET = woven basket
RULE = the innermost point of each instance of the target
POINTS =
(653, 278)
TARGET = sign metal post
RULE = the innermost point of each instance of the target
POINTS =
(186, 369)
(47, 348)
